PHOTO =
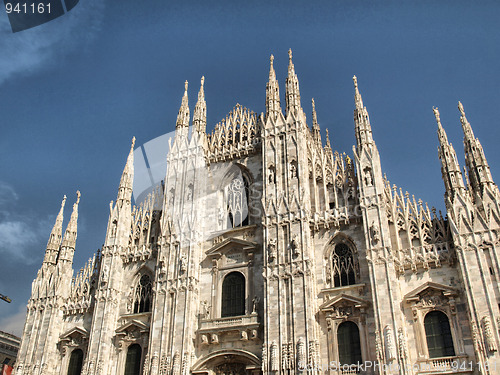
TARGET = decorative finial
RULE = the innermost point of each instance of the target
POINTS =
(78, 196)
(63, 201)
(133, 143)
(290, 54)
(271, 59)
(186, 86)
(202, 80)
(461, 109)
(355, 80)
(436, 113)
(313, 105)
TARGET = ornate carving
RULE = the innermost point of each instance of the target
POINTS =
(374, 233)
(183, 263)
(274, 356)
(176, 366)
(390, 350)
(215, 338)
(154, 364)
(284, 357)
(185, 364)
(271, 250)
(145, 370)
(488, 334)
(403, 349)
(230, 369)
(378, 347)
(255, 304)
(294, 246)
(264, 358)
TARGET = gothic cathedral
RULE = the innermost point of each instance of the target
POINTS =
(265, 252)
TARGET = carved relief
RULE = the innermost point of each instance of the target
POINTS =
(374, 233)
(390, 350)
(271, 250)
(274, 357)
(176, 366)
(488, 334)
(294, 246)
(403, 349)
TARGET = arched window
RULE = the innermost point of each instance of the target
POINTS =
(343, 266)
(237, 200)
(142, 298)
(133, 362)
(438, 333)
(233, 295)
(349, 343)
(75, 362)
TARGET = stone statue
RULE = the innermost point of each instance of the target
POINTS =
(294, 245)
(271, 250)
(255, 303)
(183, 263)
(293, 170)
(375, 233)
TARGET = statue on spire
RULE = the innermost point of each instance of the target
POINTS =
(272, 93)
(200, 110)
(436, 114)
(183, 115)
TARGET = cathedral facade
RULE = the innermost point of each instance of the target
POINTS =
(265, 252)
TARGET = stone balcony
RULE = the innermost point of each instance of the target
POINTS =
(447, 365)
(246, 326)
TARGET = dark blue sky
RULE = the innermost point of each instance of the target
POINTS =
(74, 92)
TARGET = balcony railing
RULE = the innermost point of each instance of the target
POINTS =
(231, 322)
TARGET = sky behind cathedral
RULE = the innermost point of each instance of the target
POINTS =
(74, 91)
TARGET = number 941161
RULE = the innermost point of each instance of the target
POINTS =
(27, 8)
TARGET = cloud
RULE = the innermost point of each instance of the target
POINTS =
(28, 51)
(20, 233)
(14, 324)
(7, 194)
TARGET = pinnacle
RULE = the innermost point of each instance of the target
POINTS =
(436, 114)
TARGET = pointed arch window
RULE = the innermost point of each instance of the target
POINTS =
(237, 200)
(438, 334)
(343, 265)
(349, 344)
(75, 362)
(143, 294)
(133, 361)
(233, 295)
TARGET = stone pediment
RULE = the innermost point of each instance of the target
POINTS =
(74, 332)
(430, 288)
(133, 325)
(343, 300)
(230, 244)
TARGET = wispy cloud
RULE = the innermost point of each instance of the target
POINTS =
(19, 232)
(28, 51)
(14, 323)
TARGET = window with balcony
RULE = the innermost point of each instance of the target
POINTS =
(438, 334)
(233, 295)
(348, 343)
(75, 362)
(133, 361)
